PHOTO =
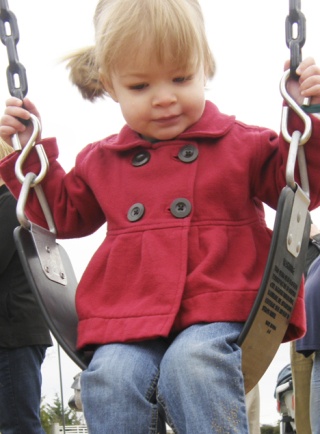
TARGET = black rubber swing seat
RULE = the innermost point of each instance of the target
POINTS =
(57, 301)
(269, 318)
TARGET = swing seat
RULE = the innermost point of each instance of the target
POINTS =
(267, 323)
(56, 300)
(269, 318)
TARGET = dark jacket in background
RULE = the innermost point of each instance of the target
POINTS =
(311, 340)
(21, 321)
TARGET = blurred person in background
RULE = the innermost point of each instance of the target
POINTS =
(24, 336)
(302, 358)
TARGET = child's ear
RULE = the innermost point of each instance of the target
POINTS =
(107, 85)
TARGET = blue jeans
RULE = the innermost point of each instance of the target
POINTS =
(193, 382)
(315, 394)
(20, 390)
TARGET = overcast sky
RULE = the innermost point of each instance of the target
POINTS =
(248, 41)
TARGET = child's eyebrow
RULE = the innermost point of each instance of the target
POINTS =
(133, 74)
(143, 75)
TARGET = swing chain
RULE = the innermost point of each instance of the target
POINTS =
(297, 139)
(295, 35)
(9, 34)
(18, 87)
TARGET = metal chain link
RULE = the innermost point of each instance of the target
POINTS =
(295, 34)
(9, 33)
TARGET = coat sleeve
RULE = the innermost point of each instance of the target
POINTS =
(75, 210)
(269, 163)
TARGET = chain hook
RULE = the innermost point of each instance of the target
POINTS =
(28, 183)
(298, 110)
(296, 140)
(44, 163)
(295, 39)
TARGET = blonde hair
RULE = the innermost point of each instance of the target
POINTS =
(174, 30)
(5, 149)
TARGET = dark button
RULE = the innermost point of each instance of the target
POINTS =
(188, 154)
(135, 212)
(141, 158)
(180, 208)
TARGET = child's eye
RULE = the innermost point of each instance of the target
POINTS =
(139, 86)
(182, 79)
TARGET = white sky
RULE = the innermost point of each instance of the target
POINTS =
(248, 41)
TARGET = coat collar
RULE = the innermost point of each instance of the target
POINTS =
(211, 124)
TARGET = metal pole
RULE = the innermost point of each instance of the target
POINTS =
(61, 392)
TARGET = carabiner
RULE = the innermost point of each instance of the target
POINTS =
(294, 106)
(44, 163)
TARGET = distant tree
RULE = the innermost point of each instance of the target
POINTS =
(270, 429)
(45, 418)
(52, 413)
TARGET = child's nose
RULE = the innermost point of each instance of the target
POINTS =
(164, 97)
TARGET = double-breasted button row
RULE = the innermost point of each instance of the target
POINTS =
(180, 208)
(187, 154)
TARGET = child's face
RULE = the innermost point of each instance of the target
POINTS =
(158, 101)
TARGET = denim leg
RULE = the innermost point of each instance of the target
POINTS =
(201, 385)
(315, 395)
(118, 389)
(20, 390)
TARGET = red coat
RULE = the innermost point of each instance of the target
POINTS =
(167, 264)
